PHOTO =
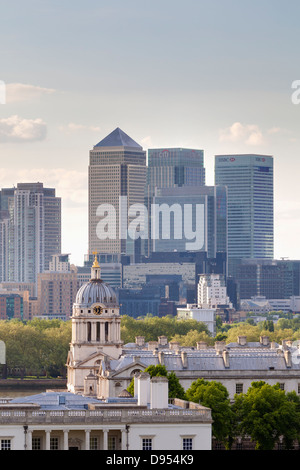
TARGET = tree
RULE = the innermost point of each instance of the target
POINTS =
(214, 396)
(265, 413)
(152, 327)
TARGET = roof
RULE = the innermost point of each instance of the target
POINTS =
(56, 401)
(118, 138)
(240, 359)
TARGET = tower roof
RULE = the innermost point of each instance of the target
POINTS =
(118, 138)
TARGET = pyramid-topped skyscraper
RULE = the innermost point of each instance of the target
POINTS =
(118, 138)
(117, 178)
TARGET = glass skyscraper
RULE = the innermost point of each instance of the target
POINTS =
(172, 168)
(249, 179)
(192, 218)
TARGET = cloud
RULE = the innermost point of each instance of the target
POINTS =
(19, 92)
(72, 127)
(249, 134)
(147, 142)
(17, 129)
(70, 185)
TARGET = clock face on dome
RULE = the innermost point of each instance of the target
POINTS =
(97, 310)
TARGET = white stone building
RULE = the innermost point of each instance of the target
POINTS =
(212, 291)
(205, 315)
(65, 421)
(85, 416)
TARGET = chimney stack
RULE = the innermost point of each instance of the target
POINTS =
(143, 388)
(184, 359)
(159, 394)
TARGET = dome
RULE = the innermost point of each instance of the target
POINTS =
(96, 290)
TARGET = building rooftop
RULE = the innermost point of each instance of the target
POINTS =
(252, 356)
(118, 138)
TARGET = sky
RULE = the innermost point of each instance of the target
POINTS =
(208, 74)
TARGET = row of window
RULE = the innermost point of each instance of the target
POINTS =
(187, 443)
(240, 389)
(147, 443)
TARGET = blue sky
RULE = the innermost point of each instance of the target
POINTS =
(214, 75)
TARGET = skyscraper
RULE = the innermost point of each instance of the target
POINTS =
(30, 228)
(192, 218)
(117, 177)
(175, 167)
(249, 179)
(172, 168)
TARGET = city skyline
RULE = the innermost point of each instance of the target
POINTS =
(204, 75)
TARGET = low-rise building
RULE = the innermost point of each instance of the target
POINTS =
(63, 421)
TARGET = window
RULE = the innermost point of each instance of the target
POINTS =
(239, 388)
(5, 444)
(94, 443)
(187, 443)
(53, 443)
(112, 443)
(281, 386)
(36, 443)
(147, 443)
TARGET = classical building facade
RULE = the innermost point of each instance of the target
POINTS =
(95, 330)
(67, 421)
(84, 416)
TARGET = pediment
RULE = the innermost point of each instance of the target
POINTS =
(90, 360)
(128, 370)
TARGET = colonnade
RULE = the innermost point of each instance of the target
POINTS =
(75, 438)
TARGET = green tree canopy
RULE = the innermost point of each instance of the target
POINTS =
(266, 413)
(214, 396)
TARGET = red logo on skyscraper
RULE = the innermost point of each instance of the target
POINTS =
(232, 159)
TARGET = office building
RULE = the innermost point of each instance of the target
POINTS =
(272, 279)
(174, 167)
(212, 291)
(203, 315)
(57, 289)
(30, 230)
(192, 218)
(171, 168)
(117, 177)
(249, 179)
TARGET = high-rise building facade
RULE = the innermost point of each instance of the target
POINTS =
(212, 291)
(175, 167)
(171, 168)
(272, 279)
(249, 179)
(57, 288)
(30, 228)
(117, 177)
(192, 218)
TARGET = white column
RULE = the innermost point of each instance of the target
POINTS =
(102, 332)
(48, 433)
(87, 439)
(66, 439)
(29, 440)
(105, 439)
(123, 443)
(112, 331)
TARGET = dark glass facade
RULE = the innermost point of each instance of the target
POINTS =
(249, 179)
